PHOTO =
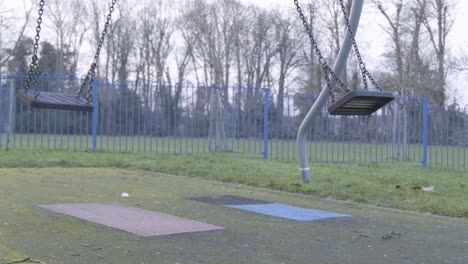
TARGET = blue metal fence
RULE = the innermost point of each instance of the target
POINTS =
(160, 118)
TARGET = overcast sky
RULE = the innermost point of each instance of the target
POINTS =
(372, 39)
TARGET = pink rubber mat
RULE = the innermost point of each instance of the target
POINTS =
(131, 219)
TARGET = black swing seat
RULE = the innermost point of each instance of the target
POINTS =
(360, 102)
(59, 101)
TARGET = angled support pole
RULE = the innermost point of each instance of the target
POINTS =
(354, 17)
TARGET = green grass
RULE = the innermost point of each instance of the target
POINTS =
(395, 185)
(453, 157)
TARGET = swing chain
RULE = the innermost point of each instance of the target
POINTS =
(33, 71)
(362, 66)
(89, 79)
(327, 70)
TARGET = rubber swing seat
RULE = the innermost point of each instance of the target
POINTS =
(59, 101)
(360, 102)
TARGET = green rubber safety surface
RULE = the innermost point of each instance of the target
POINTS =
(372, 235)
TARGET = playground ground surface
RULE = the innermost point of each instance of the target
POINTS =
(371, 234)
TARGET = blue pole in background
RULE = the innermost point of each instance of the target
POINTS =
(265, 124)
(95, 114)
(425, 127)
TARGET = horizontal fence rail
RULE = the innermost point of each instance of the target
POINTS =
(157, 118)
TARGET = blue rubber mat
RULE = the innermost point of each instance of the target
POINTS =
(288, 211)
(227, 200)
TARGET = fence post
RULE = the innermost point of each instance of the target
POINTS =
(265, 123)
(95, 114)
(11, 115)
(425, 132)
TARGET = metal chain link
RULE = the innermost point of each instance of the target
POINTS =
(33, 68)
(362, 66)
(327, 70)
(89, 79)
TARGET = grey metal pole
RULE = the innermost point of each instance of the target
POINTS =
(354, 17)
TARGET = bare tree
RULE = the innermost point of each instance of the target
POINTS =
(396, 57)
(70, 29)
(124, 42)
(393, 29)
(154, 42)
(289, 43)
(438, 22)
(208, 24)
(332, 22)
(184, 55)
(258, 51)
(8, 30)
(153, 46)
(312, 82)
(258, 47)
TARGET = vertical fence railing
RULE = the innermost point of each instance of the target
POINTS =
(265, 122)
(95, 114)
(425, 130)
(154, 118)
